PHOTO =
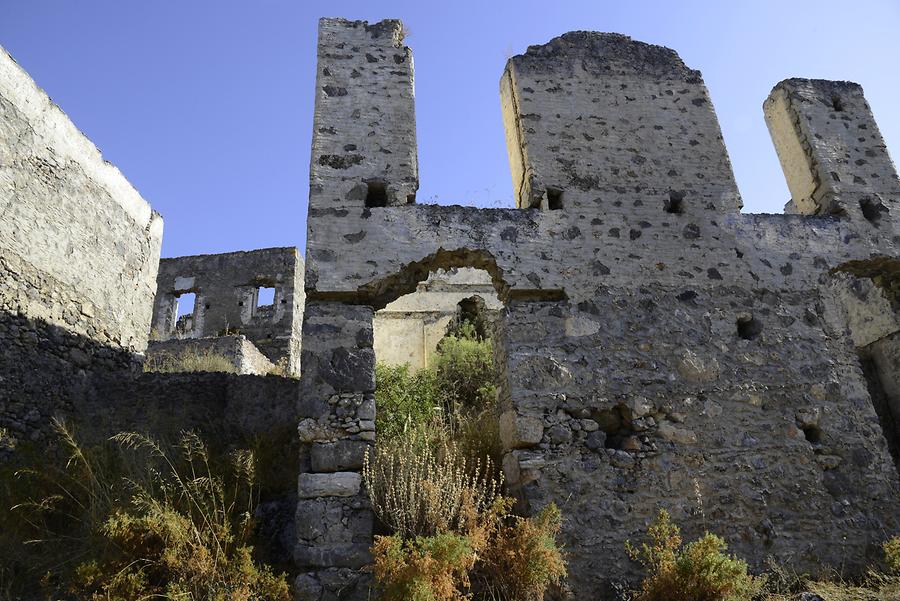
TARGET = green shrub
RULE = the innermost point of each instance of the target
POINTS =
(464, 375)
(892, 554)
(698, 571)
(141, 520)
(455, 392)
(405, 399)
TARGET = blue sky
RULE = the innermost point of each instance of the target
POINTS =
(206, 105)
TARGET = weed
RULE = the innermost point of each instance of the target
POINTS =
(698, 571)
(189, 361)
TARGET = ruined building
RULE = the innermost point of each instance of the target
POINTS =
(654, 341)
(655, 345)
(226, 291)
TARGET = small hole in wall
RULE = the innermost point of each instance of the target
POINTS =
(813, 434)
(836, 104)
(748, 327)
(554, 199)
(872, 210)
(675, 202)
(616, 423)
(376, 195)
(265, 296)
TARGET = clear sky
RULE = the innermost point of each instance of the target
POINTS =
(206, 105)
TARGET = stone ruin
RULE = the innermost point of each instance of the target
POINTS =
(655, 348)
(226, 290)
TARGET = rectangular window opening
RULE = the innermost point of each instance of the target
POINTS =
(376, 196)
(186, 303)
(265, 296)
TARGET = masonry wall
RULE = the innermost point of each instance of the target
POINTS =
(408, 330)
(78, 258)
(226, 288)
(655, 342)
(239, 353)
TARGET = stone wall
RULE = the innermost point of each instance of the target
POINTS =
(58, 265)
(78, 256)
(408, 330)
(226, 288)
(658, 348)
(241, 354)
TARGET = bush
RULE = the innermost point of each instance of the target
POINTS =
(456, 393)
(404, 399)
(521, 559)
(432, 568)
(451, 527)
(419, 488)
(699, 571)
(892, 554)
(464, 374)
(146, 521)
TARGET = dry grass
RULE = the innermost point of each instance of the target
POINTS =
(135, 520)
(189, 361)
(420, 487)
(874, 586)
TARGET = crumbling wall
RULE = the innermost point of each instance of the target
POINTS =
(226, 288)
(834, 158)
(657, 346)
(408, 330)
(241, 354)
(78, 258)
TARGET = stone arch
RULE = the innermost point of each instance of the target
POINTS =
(379, 293)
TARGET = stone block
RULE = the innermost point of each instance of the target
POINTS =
(350, 555)
(517, 431)
(338, 484)
(340, 456)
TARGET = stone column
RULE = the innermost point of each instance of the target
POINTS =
(337, 425)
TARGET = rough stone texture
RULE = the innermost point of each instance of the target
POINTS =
(338, 484)
(58, 265)
(78, 256)
(408, 330)
(226, 302)
(834, 158)
(237, 350)
(655, 341)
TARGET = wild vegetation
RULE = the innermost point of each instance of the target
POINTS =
(434, 484)
(697, 571)
(133, 519)
(454, 395)
(701, 570)
(189, 361)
